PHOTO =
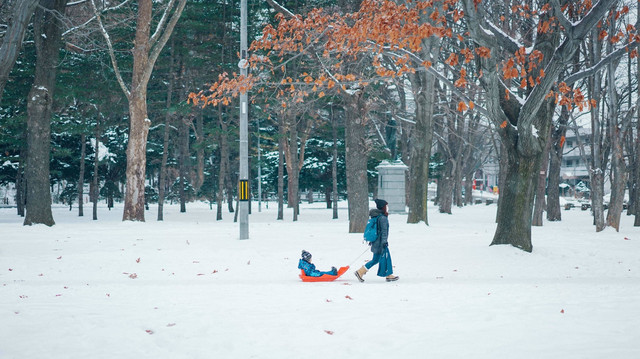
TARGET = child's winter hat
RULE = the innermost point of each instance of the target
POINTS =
(306, 255)
(380, 203)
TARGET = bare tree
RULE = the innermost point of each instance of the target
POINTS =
(147, 48)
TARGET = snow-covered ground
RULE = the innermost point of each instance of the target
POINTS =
(188, 288)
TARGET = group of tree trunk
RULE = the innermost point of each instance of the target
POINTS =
(524, 124)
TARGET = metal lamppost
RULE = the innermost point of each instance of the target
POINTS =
(243, 185)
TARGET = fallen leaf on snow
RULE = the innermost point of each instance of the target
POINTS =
(149, 331)
(348, 297)
(171, 325)
(329, 332)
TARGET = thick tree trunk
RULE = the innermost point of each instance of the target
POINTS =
(357, 154)
(136, 158)
(516, 201)
(618, 166)
(47, 30)
(83, 151)
(11, 42)
(446, 181)
(421, 138)
(468, 188)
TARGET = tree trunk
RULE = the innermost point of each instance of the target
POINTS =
(20, 184)
(134, 201)
(83, 150)
(281, 145)
(334, 166)
(145, 52)
(293, 166)
(136, 158)
(357, 154)
(47, 30)
(420, 143)
(224, 155)
(516, 200)
(95, 191)
(183, 135)
(162, 181)
(636, 221)
(541, 184)
(199, 152)
(446, 181)
(618, 166)
(468, 188)
(21, 14)
(554, 212)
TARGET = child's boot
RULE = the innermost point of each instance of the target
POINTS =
(392, 278)
(360, 273)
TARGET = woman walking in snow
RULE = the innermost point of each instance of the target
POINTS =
(380, 247)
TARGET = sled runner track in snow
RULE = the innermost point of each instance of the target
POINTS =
(324, 277)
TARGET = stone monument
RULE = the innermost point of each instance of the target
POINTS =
(391, 184)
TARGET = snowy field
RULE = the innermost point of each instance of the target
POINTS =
(188, 288)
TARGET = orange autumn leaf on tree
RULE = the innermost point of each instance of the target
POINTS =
(462, 81)
(562, 139)
(484, 52)
(452, 60)
(462, 106)
(503, 124)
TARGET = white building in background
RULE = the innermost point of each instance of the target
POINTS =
(575, 165)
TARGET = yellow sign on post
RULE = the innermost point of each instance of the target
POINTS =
(243, 190)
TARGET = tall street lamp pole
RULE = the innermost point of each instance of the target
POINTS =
(243, 186)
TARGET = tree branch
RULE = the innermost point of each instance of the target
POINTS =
(112, 55)
(603, 62)
(160, 26)
(281, 9)
(157, 47)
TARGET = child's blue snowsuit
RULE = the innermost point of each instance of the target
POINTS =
(311, 271)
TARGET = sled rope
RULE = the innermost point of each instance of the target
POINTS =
(365, 251)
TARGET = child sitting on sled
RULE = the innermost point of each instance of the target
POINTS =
(310, 268)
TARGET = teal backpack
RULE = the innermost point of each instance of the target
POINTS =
(371, 230)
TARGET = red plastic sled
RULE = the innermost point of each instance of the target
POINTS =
(324, 277)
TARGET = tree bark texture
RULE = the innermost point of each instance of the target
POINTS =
(420, 143)
(47, 30)
(11, 44)
(618, 165)
(541, 184)
(357, 154)
(554, 212)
